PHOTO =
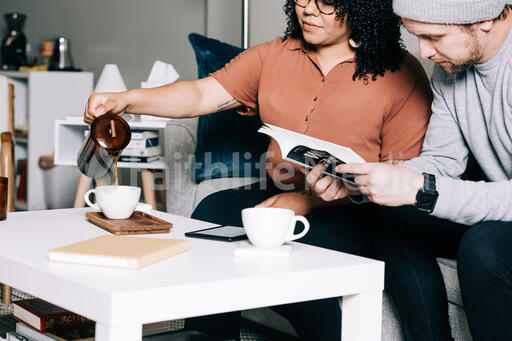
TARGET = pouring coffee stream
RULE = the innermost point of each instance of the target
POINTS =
(108, 136)
(114, 135)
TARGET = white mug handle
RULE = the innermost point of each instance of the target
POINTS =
(89, 203)
(304, 221)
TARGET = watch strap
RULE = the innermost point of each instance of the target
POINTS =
(429, 183)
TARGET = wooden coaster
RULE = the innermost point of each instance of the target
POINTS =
(138, 223)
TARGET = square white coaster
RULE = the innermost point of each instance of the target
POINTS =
(246, 249)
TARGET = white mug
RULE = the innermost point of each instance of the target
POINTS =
(116, 202)
(268, 227)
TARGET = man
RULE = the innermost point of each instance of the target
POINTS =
(471, 43)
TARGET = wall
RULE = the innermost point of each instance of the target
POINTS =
(267, 21)
(135, 33)
(224, 20)
(411, 43)
(130, 33)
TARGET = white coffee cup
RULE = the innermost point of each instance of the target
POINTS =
(269, 227)
(116, 202)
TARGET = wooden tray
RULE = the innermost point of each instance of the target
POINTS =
(138, 223)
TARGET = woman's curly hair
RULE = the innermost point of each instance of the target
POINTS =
(372, 24)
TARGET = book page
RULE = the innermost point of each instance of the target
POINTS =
(308, 151)
(288, 139)
(284, 143)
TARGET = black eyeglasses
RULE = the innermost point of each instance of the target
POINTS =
(324, 6)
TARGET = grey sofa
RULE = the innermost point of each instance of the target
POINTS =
(183, 195)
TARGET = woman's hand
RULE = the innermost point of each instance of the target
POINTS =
(102, 103)
(301, 203)
(326, 188)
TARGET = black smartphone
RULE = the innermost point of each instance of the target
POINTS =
(222, 233)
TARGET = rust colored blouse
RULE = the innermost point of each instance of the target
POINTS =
(281, 81)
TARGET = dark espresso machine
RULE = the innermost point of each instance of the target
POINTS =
(14, 45)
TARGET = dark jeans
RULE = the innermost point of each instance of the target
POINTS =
(408, 242)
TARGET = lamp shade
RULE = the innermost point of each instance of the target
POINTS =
(110, 80)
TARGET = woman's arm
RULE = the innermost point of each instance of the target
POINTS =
(178, 100)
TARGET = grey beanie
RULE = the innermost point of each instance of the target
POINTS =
(449, 11)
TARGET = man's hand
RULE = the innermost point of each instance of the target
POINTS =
(301, 203)
(327, 188)
(102, 103)
(384, 184)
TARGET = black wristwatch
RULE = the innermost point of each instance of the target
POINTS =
(426, 197)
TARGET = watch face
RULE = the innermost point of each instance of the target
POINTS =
(426, 201)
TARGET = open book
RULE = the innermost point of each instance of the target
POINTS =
(308, 151)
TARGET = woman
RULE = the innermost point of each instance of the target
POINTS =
(339, 74)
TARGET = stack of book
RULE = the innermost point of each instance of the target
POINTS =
(38, 320)
(143, 147)
(7, 325)
(21, 180)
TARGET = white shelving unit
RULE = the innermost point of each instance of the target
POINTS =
(41, 98)
(69, 136)
(70, 133)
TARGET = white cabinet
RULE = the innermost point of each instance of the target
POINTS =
(41, 98)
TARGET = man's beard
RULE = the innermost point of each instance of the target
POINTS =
(473, 57)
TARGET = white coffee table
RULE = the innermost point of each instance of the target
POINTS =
(205, 280)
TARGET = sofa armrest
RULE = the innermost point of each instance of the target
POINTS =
(182, 192)
(180, 144)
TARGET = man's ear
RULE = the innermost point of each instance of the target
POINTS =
(486, 26)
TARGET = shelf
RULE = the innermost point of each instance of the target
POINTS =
(148, 124)
(69, 136)
(26, 74)
(144, 124)
(40, 98)
(158, 164)
(21, 134)
(15, 74)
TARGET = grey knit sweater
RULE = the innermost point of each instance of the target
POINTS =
(471, 112)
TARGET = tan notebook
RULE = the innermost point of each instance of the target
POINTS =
(119, 251)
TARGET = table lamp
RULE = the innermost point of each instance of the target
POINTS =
(110, 80)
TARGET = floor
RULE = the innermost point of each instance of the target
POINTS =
(250, 331)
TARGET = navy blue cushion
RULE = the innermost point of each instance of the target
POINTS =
(228, 144)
